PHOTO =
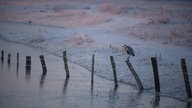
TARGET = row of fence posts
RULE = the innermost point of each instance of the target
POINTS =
(185, 76)
(140, 86)
(155, 73)
(28, 62)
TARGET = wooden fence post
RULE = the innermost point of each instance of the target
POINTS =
(156, 75)
(66, 64)
(28, 67)
(43, 65)
(2, 55)
(28, 63)
(114, 70)
(135, 75)
(17, 63)
(186, 78)
(92, 71)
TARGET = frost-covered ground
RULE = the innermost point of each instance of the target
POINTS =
(86, 27)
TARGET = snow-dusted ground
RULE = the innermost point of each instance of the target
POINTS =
(84, 28)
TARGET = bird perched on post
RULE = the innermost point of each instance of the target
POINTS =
(129, 51)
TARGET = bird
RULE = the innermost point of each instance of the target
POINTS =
(129, 51)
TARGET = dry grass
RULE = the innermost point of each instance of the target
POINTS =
(159, 19)
(181, 36)
(36, 38)
(73, 13)
(110, 8)
(178, 35)
(168, 27)
(77, 39)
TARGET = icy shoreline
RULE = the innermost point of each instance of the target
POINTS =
(55, 91)
(82, 27)
(171, 79)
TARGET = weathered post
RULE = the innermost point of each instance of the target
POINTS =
(114, 70)
(9, 58)
(43, 65)
(17, 63)
(186, 78)
(28, 63)
(135, 75)
(2, 55)
(66, 64)
(156, 75)
(28, 67)
(92, 71)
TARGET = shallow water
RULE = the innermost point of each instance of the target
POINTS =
(21, 89)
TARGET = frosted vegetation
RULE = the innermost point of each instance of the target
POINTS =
(84, 27)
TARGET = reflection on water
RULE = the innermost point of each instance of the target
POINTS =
(113, 94)
(155, 101)
(92, 97)
(65, 91)
(27, 75)
(9, 65)
(189, 105)
(42, 80)
(1, 64)
(65, 85)
(17, 69)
